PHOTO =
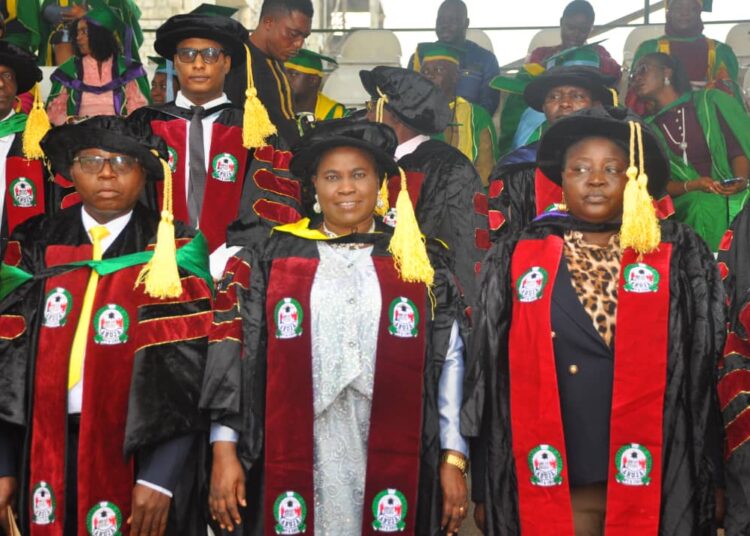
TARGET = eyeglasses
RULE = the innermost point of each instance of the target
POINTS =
(642, 69)
(94, 164)
(209, 55)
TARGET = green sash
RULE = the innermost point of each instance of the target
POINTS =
(13, 124)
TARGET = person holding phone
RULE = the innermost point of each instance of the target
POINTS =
(707, 134)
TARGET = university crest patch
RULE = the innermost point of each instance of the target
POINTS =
(641, 278)
(104, 519)
(111, 325)
(288, 316)
(389, 510)
(546, 465)
(404, 317)
(43, 504)
(225, 167)
(57, 306)
(290, 511)
(633, 463)
(530, 286)
(23, 193)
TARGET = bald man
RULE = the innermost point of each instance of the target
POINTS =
(478, 65)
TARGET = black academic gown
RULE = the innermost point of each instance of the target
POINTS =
(234, 390)
(265, 188)
(274, 92)
(734, 384)
(449, 207)
(695, 340)
(164, 425)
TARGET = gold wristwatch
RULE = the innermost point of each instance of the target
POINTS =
(455, 461)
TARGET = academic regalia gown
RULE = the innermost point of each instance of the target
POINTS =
(241, 378)
(159, 377)
(451, 206)
(734, 373)
(259, 182)
(693, 329)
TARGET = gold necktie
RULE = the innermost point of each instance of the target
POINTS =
(78, 350)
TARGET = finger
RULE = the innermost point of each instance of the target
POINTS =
(231, 502)
(447, 507)
(241, 493)
(455, 522)
(136, 520)
(162, 525)
(224, 519)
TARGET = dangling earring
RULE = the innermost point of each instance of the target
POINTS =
(379, 205)
(562, 206)
(667, 81)
(316, 206)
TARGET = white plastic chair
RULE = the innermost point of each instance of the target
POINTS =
(545, 38)
(481, 38)
(375, 47)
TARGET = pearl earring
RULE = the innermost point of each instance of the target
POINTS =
(667, 81)
(316, 206)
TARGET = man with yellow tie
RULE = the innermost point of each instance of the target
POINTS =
(102, 348)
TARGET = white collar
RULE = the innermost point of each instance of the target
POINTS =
(409, 146)
(183, 102)
(115, 227)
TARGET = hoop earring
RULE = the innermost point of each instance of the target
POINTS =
(316, 206)
(667, 81)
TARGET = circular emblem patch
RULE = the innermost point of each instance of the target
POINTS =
(111, 324)
(42, 504)
(641, 278)
(290, 512)
(57, 307)
(104, 519)
(288, 316)
(530, 286)
(633, 463)
(23, 193)
(390, 217)
(389, 510)
(224, 167)
(172, 159)
(546, 465)
(404, 318)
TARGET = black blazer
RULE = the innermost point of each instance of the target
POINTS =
(585, 374)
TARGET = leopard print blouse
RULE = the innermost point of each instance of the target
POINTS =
(595, 273)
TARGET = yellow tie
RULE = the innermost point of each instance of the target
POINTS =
(78, 350)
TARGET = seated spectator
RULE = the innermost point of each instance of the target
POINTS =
(519, 190)
(477, 65)
(305, 74)
(708, 136)
(163, 86)
(710, 64)
(576, 23)
(471, 130)
(97, 80)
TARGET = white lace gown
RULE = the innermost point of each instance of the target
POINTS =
(345, 307)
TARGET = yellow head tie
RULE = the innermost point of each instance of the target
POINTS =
(37, 125)
(408, 245)
(256, 124)
(160, 275)
(640, 227)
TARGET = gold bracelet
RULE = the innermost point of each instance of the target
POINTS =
(456, 461)
(684, 186)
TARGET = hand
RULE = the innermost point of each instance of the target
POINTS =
(150, 512)
(227, 486)
(455, 497)
(8, 487)
(73, 13)
(480, 517)
(731, 189)
(703, 184)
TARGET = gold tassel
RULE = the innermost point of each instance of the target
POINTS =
(615, 97)
(381, 209)
(408, 245)
(160, 276)
(380, 105)
(37, 126)
(256, 124)
(640, 227)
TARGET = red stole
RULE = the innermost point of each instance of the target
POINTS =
(547, 192)
(224, 180)
(414, 182)
(396, 419)
(24, 190)
(636, 435)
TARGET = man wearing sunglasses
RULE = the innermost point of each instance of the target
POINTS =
(216, 179)
(113, 367)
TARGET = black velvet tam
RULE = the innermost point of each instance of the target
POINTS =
(228, 32)
(575, 75)
(606, 122)
(377, 139)
(110, 133)
(22, 63)
(415, 100)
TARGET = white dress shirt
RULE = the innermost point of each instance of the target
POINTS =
(5, 143)
(409, 146)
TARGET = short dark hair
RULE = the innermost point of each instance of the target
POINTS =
(579, 7)
(287, 6)
(102, 42)
(680, 79)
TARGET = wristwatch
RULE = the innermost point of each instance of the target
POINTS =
(456, 461)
